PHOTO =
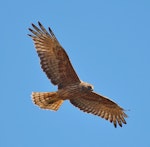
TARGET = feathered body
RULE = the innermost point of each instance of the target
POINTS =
(58, 68)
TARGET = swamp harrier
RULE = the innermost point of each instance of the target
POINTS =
(58, 68)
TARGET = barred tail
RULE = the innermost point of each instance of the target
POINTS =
(47, 100)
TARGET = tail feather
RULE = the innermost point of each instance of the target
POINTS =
(47, 100)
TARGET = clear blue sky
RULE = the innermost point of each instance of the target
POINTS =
(108, 43)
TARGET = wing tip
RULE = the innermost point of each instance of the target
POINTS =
(29, 35)
(39, 23)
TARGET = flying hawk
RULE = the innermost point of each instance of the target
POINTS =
(58, 68)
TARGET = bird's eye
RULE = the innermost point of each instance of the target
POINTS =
(90, 88)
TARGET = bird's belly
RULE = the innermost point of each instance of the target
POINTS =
(68, 93)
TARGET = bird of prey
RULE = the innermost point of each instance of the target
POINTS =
(59, 70)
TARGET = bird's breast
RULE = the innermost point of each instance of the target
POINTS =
(69, 92)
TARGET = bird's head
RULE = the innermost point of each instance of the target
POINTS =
(86, 86)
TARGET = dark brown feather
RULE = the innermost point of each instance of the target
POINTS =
(54, 60)
(101, 106)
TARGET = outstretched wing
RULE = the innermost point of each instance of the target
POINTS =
(54, 60)
(101, 106)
